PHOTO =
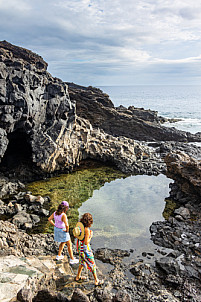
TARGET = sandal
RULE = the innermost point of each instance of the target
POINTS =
(100, 282)
(81, 279)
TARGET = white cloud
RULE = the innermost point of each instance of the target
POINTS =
(106, 35)
(179, 61)
(14, 6)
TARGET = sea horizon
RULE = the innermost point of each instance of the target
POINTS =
(170, 101)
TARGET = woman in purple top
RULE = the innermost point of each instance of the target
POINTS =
(61, 230)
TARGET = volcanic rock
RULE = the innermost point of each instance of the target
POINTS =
(186, 171)
(136, 123)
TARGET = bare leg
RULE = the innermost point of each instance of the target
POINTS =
(70, 251)
(79, 272)
(97, 281)
(61, 246)
(95, 277)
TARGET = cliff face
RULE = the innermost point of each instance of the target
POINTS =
(10, 52)
(50, 131)
(39, 125)
(36, 114)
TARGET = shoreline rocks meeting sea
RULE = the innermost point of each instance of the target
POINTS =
(49, 127)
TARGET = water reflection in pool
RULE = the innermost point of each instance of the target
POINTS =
(124, 209)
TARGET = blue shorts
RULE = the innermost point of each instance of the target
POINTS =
(60, 235)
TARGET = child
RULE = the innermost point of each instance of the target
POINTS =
(86, 257)
(61, 229)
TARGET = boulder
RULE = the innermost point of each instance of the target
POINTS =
(21, 218)
(79, 296)
(25, 295)
(168, 265)
(186, 171)
(122, 296)
(184, 212)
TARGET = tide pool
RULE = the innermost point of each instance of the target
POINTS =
(124, 209)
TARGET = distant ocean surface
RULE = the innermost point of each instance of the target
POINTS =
(183, 102)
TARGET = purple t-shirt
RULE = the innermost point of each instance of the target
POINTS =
(58, 222)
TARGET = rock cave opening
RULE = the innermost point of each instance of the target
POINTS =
(18, 151)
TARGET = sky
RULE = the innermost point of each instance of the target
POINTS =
(110, 42)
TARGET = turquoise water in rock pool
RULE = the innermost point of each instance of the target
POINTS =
(124, 209)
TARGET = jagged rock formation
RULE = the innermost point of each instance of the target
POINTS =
(17, 242)
(38, 121)
(186, 171)
(126, 154)
(36, 114)
(139, 124)
(39, 125)
(181, 231)
(10, 51)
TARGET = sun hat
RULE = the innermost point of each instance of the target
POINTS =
(78, 231)
(65, 203)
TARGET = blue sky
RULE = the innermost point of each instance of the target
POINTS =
(109, 42)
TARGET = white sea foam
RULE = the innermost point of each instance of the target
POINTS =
(192, 125)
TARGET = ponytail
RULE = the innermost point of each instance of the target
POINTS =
(61, 208)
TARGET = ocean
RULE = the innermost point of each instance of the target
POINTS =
(182, 102)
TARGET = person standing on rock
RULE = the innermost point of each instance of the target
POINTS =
(86, 257)
(61, 231)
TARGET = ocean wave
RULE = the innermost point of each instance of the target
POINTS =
(192, 125)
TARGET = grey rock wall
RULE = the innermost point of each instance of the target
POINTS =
(38, 120)
(35, 106)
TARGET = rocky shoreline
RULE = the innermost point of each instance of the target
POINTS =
(173, 276)
(47, 127)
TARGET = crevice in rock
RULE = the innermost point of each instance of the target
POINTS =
(18, 151)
